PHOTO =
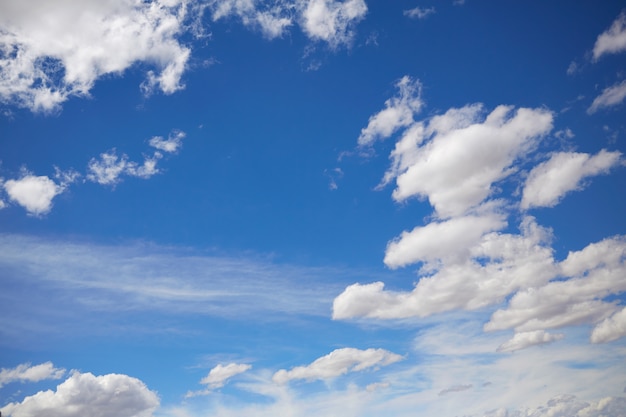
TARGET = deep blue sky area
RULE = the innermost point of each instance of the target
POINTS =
(312, 207)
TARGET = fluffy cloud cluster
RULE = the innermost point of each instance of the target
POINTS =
(331, 21)
(338, 362)
(51, 50)
(84, 394)
(30, 373)
(35, 193)
(457, 161)
(569, 406)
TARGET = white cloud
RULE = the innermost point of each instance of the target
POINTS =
(610, 96)
(610, 329)
(419, 12)
(28, 373)
(525, 340)
(331, 21)
(549, 181)
(398, 112)
(218, 376)
(450, 239)
(338, 362)
(569, 406)
(170, 145)
(84, 394)
(34, 193)
(613, 40)
(592, 274)
(109, 168)
(56, 49)
(497, 265)
(272, 21)
(457, 156)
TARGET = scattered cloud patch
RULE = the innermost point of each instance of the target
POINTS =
(55, 50)
(30, 373)
(218, 376)
(610, 96)
(336, 363)
(549, 181)
(569, 406)
(419, 12)
(330, 21)
(170, 145)
(455, 388)
(525, 340)
(613, 40)
(398, 112)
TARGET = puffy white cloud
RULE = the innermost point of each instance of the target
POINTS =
(524, 340)
(613, 40)
(109, 168)
(419, 12)
(457, 156)
(496, 266)
(398, 112)
(331, 21)
(28, 373)
(610, 96)
(170, 145)
(84, 394)
(218, 376)
(338, 362)
(34, 193)
(610, 329)
(548, 182)
(450, 239)
(51, 50)
(592, 274)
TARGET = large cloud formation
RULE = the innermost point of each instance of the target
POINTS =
(459, 160)
(84, 394)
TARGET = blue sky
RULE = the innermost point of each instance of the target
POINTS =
(312, 207)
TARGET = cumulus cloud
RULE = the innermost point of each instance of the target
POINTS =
(419, 12)
(34, 193)
(592, 274)
(84, 394)
(610, 329)
(497, 265)
(450, 239)
(455, 158)
(398, 112)
(331, 21)
(170, 145)
(525, 340)
(51, 50)
(30, 373)
(610, 96)
(548, 182)
(338, 362)
(272, 20)
(613, 40)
